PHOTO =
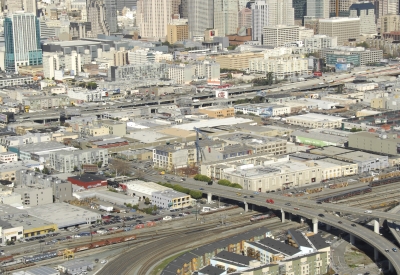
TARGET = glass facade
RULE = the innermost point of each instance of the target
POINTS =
(22, 41)
(300, 9)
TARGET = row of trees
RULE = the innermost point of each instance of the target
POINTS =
(230, 184)
(200, 177)
(193, 193)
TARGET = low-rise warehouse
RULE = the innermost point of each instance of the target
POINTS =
(40, 270)
(170, 199)
(107, 196)
(67, 214)
(75, 266)
(88, 181)
(142, 189)
(312, 120)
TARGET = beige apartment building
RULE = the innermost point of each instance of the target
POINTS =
(153, 17)
(344, 28)
(177, 32)
(239, 61)
(217, 112)
(390, 23)
(277, 36)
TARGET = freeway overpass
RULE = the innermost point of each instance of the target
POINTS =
(310, 210)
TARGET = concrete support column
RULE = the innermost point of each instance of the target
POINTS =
(209, 196)
(283, 216)
(328, 227)
(290, 217)
(376, 226)
(315, 225)
(246, 207)
(352, 239)
(301, 220)
(391, 266)
(376, 254)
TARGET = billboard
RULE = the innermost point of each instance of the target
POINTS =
(266, 112)
(315, 142)
(221, 94)
(342, 67)
(3, 118)
(104, 93)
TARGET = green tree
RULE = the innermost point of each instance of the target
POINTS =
(200, 177)
(146, 200)
(46, 171)
(100, 164)
(363, 44)
(224, 182)
(196, 194)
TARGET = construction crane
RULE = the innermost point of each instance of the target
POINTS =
(200, 153)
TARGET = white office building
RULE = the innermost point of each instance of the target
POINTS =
(226, 16)
(200, 17)
(170, 199)
(152, 17)
(259, 20)
(344, 28)
(281, 66)
(320, 41)
(366, 12)
(280, 12)
(279, 35)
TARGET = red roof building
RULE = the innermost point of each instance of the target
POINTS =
(88, 181)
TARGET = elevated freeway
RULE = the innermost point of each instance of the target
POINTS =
(309, 210)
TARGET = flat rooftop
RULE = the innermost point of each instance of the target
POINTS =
(170, 194)
(316, 117)
(62, 214)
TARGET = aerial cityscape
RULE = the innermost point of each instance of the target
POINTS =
(199, 137)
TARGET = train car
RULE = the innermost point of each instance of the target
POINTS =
(261, 217)
(82, 248)
(6, 259)
(99, 244)
(114, 240)
(129, 238)
(346, 194)
(39, 257)
(384, 181)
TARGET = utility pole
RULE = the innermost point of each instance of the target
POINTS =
(196, 210)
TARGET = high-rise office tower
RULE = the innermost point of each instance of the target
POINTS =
(121, 4)
(226, 16)
(318, 8)
(183, 8)
(200, 17)
(300, 10)
(96, 14)
(366, 12)
(175, 4)
(383, 7)
(22, 41)
(30, 6)
(11, 6)
(111, 15)
(260, 19)
(280, 12)
(245, 18)
(152, 17)
(340, 8)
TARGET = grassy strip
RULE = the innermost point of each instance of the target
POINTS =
(165, 262)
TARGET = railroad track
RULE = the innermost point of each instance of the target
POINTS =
(146, 257)
(142, 238)
(122, 264)
(176, 247)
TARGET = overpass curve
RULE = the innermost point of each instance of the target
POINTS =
(308, 210)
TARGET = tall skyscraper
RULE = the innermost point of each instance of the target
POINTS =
(226, 16)
(183, 8)
(111, 15)
(366, 12)
(260, 20)
(280, 12)
(318, 8)
(22, 41)
(152, 17)
(300, 10)
(30, 6)
(96, 14)
(200, 17)
(175, 4)
(343, 7)
(11, 6)
(245, 18)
